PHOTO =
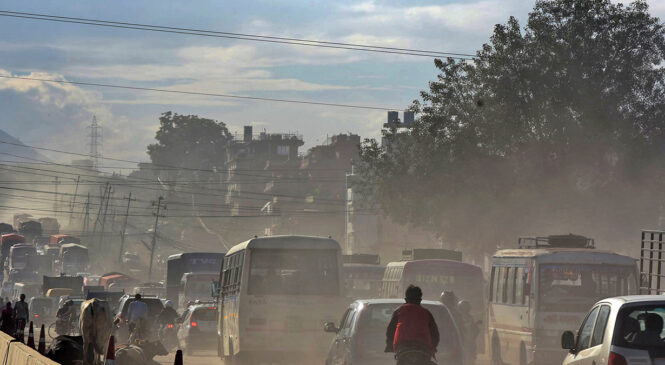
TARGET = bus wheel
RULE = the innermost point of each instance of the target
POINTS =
(496, 351)
(522, 354)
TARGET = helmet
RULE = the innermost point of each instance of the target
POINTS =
(169, 304)
(448, 299)
(464, 306)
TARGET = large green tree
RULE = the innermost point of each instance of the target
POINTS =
(556, 126)
(189, 142)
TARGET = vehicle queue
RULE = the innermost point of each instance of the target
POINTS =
(297, 286)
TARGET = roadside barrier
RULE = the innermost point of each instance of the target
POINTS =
(13, 352)
(178, 358)
(42, 341)
(31, 337)
(110, 352)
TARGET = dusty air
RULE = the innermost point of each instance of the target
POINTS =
(353, 182)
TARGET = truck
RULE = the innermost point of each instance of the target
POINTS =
(20, 255)
(75, 283)
(73, 258)
(189, 262)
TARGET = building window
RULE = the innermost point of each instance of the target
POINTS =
(283, 150)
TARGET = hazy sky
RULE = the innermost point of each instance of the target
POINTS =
(56, 116)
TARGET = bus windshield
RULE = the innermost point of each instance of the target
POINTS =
(571, 287)
(293, 272)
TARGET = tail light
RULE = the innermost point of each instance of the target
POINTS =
(616, 359)
(194, 324)
(170, 325)
(36, 315)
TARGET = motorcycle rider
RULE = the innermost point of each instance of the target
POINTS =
(412, 333)
(168, 315)
(64, 317)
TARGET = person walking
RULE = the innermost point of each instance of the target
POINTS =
(8, 324)
(412, 333)
(21, 313)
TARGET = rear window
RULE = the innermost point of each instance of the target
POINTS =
(375, 319)
(204, 314)
(155, 306)
(641, 328)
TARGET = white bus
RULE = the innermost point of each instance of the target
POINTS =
(545, 286)
(276, 293)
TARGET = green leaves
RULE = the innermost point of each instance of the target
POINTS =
(551, 116)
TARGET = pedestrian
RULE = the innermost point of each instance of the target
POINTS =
(8, 325)
(21, 313)
(470, 330)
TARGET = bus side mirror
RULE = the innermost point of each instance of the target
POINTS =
(568, 341)
(330, 327)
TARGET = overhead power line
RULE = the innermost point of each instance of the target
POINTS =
(238, 36)
(230, 96)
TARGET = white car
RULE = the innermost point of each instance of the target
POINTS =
(198, 330)
(619, 331)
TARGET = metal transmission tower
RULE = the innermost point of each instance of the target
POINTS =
(95, 142)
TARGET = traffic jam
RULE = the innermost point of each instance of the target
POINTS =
(558, 299)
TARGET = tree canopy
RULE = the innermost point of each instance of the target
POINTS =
(553, 127)
(191, 142)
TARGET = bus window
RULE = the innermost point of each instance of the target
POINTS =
(501, 291)
(519, 286)
(492, 283)
(510, 286)
(293, 272)
(497, 289)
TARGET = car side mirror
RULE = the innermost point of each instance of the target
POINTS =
(568, 341)
(330, 327)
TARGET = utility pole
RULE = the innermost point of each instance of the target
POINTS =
(86, 215)
(73, 202)
(124, 228)
(106, 209)
(55, 202)
(99, 211)
(154, 235)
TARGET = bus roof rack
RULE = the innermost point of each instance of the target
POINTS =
(560, 241)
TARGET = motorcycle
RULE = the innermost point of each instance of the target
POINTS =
(168, 335)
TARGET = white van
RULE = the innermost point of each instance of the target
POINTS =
(619, 331)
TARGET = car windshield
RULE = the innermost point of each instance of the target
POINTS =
(375, 319)
(294, 272)
(641, 328)
(575, 287)
(205, 314)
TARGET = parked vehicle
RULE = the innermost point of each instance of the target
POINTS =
(198, 329)
(543, 287)
(621, 330)
(289, 284)
(360, 337)
(155, 307)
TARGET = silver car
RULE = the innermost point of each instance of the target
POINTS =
(619, 331)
